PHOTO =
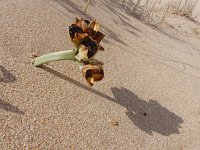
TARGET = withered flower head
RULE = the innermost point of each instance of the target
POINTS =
(86, 37)
(93, 72)
(84, 28)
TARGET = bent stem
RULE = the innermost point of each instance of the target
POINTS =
(63, 55)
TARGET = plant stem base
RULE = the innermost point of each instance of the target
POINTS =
(63, 55)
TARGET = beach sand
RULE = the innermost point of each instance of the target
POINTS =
(148, 100)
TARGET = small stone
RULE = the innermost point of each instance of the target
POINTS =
(144, 114)
(114, 122)
(34, 55)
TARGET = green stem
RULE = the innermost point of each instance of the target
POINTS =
(63, 55)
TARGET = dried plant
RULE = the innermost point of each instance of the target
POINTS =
(155, 11)
(86, 38)
(86, 7)
(183, 7)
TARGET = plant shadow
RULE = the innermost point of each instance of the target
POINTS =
(8, 107)
(6, 76)
(148, 116)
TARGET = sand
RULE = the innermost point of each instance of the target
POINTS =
(149, 98)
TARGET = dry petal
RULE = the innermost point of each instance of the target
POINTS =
(101, 48)
(78, 38)
(93, 73)
(98, 36)
(85, 27)
(78, 22)
(94, 25)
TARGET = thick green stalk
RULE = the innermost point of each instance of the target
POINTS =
(63, 55)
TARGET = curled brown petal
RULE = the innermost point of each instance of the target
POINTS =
(92, 73)
(85, 27)
(101, 48)
(82, 30)
(98, 36)
(78, 22)
(82, 24)
(73, 29)
(94, 25)
(78, 38)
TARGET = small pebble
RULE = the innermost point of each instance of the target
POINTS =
(114, 122)
(144, 113)
(34, 55)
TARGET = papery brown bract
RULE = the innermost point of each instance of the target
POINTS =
(86, 37)
(86, 28)
(93, 73)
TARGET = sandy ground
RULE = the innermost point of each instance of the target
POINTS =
(196, 11)
(149, 98)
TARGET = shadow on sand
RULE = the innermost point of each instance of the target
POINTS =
(119, 12)
(148, 116)
(6, 76)
(8, 107)
(121, 20)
